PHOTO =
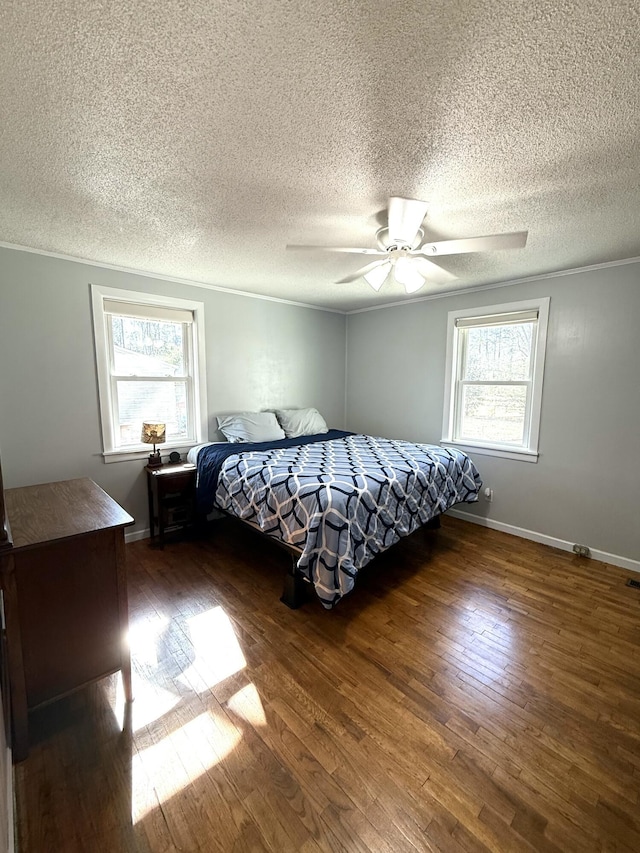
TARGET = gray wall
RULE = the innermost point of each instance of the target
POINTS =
(259, 354)
(585, 486)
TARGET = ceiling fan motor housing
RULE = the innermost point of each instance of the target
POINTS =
(396, 252)
(384, 241)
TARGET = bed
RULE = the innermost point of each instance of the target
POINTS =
(334, 500)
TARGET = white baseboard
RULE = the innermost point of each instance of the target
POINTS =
(135, 535)
(562, 544)
(523, 533)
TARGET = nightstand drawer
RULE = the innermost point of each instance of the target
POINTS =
(175, 484)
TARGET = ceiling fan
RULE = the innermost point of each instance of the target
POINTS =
(401, 253)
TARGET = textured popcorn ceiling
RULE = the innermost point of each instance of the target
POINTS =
(196, 139)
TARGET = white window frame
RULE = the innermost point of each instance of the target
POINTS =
(196, 382)
(528, 452)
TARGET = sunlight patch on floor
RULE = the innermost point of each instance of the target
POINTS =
(162, 770)
(246, 704)
(217, 651)
(144, 635)
(151, 703)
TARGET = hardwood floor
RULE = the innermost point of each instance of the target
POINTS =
(476, 692)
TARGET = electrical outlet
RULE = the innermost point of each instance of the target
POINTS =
(581, 550)
(488, 493)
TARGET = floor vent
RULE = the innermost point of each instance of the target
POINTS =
(631, 582)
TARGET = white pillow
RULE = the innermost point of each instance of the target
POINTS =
(296, 422)
(250, 426)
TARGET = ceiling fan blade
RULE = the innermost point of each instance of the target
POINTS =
(405, 218)
(515, 240)
(350, 251)
(432, 271)
(361, 272)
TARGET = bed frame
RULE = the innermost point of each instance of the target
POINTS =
(296, 585)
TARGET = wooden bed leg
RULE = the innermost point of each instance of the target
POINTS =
(433, 523)
(294, 587)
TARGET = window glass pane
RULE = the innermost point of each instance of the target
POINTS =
(494, 413)
(147, 347)
(155, 402)
(498, 352)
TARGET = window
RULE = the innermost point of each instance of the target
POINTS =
(493, 391)
(150, 360)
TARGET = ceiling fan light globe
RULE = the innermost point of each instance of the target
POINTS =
(414, 286)
(377, 277)
(406, 274)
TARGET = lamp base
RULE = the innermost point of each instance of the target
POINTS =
(154, 459)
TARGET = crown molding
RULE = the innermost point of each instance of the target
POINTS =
(497, 284)
(161, 277)
(249, 295)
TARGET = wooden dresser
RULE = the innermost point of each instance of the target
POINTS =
(62, 571)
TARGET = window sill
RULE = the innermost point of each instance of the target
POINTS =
(137, 453)
(484, 450)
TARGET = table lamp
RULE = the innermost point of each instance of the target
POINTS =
(154, 434)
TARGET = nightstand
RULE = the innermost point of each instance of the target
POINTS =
(171, 490)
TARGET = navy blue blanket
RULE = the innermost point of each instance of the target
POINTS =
(211, 458)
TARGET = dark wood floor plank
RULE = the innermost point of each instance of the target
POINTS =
(476, 693)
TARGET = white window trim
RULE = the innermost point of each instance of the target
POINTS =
(522, 454)
(98, 296)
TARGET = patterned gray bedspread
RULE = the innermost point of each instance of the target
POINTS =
(344, 501)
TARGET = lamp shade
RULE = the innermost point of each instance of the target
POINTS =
(154, 433)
